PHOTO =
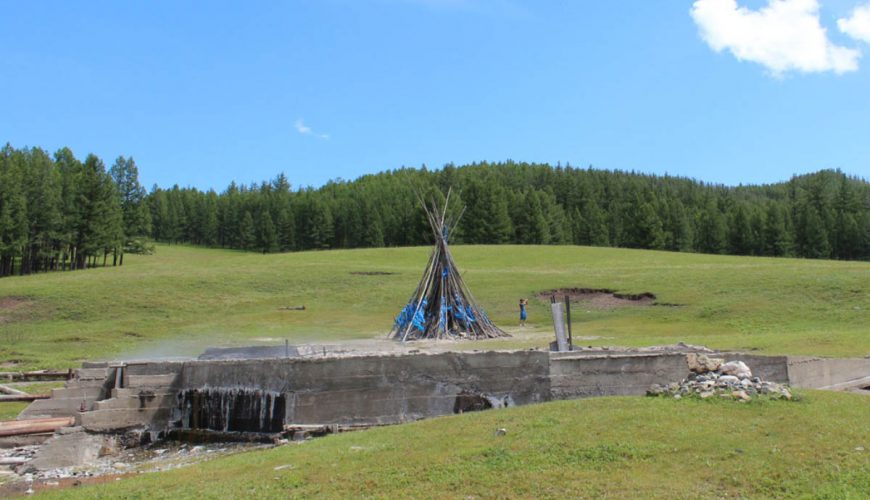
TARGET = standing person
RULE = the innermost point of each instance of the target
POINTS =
(523, 314)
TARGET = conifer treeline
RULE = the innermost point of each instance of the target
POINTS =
(59, 213)
(823, 215)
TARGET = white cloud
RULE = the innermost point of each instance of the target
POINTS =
(783, 36)
(857, 25)
(304, 129)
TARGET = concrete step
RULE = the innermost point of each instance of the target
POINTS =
(153, 368)
(92, 373)
(80, 392)
(81, 384)
(134, 392)
(95, 364)
(136, 403)
(149, 381)
(55, 407)
(112, 420)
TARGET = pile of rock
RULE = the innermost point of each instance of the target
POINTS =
(714, 377)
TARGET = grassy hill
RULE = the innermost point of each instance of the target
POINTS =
(184, 298)
(612, 447)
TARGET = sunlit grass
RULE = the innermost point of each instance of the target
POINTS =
(614, 447)
(183, 299)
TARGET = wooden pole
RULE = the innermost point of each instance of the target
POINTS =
(9, 398)
(34, 426)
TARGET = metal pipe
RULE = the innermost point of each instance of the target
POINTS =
(568, 313)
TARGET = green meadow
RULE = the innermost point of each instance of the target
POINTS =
(618, 447)
(183, 299)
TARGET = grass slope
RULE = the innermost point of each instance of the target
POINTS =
(183, 298)
(614, 447)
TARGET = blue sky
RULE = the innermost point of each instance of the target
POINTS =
(202, 93)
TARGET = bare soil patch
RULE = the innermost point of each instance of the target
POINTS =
(12, 306)
(600, 298)
(11, 302)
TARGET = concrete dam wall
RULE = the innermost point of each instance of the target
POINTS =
(381, 389)
(264, 395)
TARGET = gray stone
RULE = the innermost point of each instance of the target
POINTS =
(741, 395)
(655, 390)
(736, 368)
(701, 363)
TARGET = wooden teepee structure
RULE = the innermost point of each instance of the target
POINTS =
(442, 306)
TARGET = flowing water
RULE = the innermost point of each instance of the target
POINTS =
(232, 409)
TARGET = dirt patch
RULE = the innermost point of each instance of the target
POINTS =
(11, 303)
(12, 307)
(372, 273)
(19, 488)
(600, 298)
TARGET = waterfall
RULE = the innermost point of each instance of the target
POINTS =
(232, 409)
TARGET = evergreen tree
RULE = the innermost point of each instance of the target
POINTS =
(812, 236)
(776, 238)
(646, 228)
(136, 217)
(286, 228)
(530, 225)
(596, 232)
(247, 238)
(42, 191)
(268, 237)
(320, 228)
(557, 224)
(486, 220)
(711, 230)
(740, 237)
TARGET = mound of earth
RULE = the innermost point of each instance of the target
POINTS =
(600, 298)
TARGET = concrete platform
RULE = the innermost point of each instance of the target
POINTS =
(372, 389)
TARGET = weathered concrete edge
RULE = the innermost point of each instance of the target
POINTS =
(373, 389)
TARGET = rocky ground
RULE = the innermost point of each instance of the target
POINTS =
(16, 476)
(714, 377)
